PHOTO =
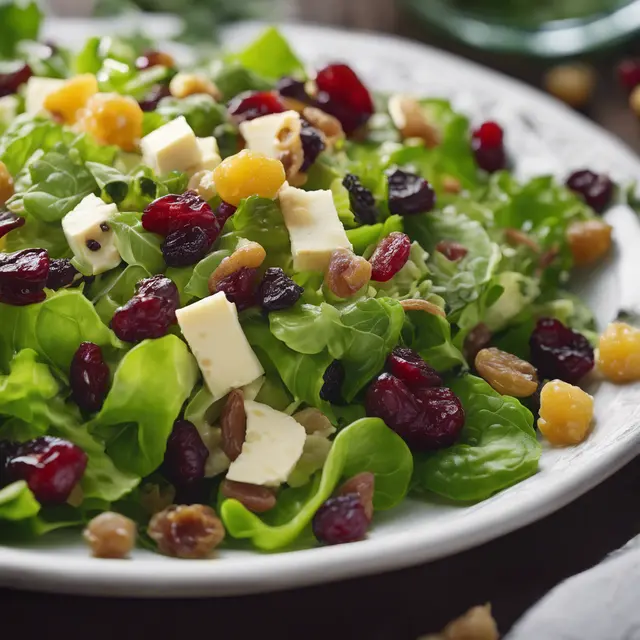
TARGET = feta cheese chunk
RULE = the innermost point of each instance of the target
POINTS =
(314, 227)
(209, 154)
(224, 355)
(272, 447)
(36, 92)
(90, 236)
(172, 147)
(263, 134)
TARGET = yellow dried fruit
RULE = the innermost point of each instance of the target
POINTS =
(347, 273)
(589, 240)
(250, 255)
(246, 174)
(619, 353)
(415, 304)
(189, 84)
(571, 83)
(506, 373)
(566, 413)
(71, 97)
(6, 184)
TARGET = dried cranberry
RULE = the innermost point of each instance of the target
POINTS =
(278, 291)
(185, 246)
(487, 142)
(391, 254)
(560, 352)
(8, 450)
(255, 104)
(390, 398)
(174, 212)
(61, 274)
(312, 144)
(153, 97)
(143, 317)
(443, 418)
(160, 286)
(451, 250)
(409, 194)
(51, 467)
(596, 189)
(10, 82)
(240, 287)
(629, 73)
(224, 212)
(294, 89)
(342, 94)
(333, 377)
(362, 202)
(23, 276)
(340, 519)
(185, 456)
(407, 365)
(89, 377)
(9, 221)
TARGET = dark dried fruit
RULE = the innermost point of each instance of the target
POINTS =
(253, 497)
(52, 467)
(596, 189)
(143, 317)
(409, 194)
(185, 247)
(478, 338)
(93, 245)
(240, 287)
(312, 145)
(560, 352)
(89, 377)
(363, 485)
(333, 377)
(153, 96)
(233, 424)
(8, 222)
(451, 250)
(10, 82)
(391, 254)
(363, 203)
(277, 290)
(342, 94)
(174, 212)
(159, 286)
(224, 212)
(341, 519)
(23, 276)
(487, 143)
(61, 274)
(254, 104)
(293, 89)
(629, 73)
(408, 366)
(186, 455)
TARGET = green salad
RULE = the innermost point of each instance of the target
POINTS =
(254, 301)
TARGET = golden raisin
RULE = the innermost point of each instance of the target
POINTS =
(571, 83)
(506, 373)
(362, 484)
(415, 304)
(113, 119)
(187, 531)
(634, 101)
(255, 498)
(619, 353)
(250, 256)
(347, 273)
(246, 174)
(566, 413)
(188, 84)
(589, 240)
(450, 184)
(72, 96)
(6, 184)
(233, 424)
(111, 535)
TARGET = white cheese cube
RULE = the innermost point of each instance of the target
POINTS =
(90, 236)
(272, 447)
(36, 92)
(314, 227)
(261, 134)
(8, 109)
(225, 357)
(172, 147)
(209, 154)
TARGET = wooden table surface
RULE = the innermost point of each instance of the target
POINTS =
(512, 572)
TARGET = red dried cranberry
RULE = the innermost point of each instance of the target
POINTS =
(173, 212)
(52, 467)
(160, 286)
(342, 94)
(407, 365)
(390, 256)
(185, 246)
(340, 519)
(278, 291)
(629, 73)
(143, 317)
(10, 82)
(333, 377)
(451, 250)
(293, 89)
(596, 189)
(185, 456)
(487, 142)
(89, 377)
(391, 400)
(560, 352)
(362, 202)
(153, 97)
(312, 144)
(240, 287)
(23, 276)
(8, 450)
(9, 221)
(61, 274)
(409, 194)
(224, 212)
(255, 104)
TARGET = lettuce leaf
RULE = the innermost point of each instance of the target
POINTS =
(137, 246)
(17, 502)
(201, 111)
(18, 21)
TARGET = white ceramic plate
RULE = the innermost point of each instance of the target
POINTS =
(549, 138)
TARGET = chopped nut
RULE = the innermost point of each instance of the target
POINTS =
(347, 273)
(506, 373)
(187, 531)
(6, 184)
(233, 424)
(516, 238)
(571, 83)
(409, 118)
(451, 184)
(314, 421)
(111, 535)
(202, 183)
(422, 305)
(253, 497)
(589, 240)
(250, 255)
(329, 126)
(188, 84)
(155, 498)
(362, 484)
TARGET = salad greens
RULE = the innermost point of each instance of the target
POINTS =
(312, 352)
